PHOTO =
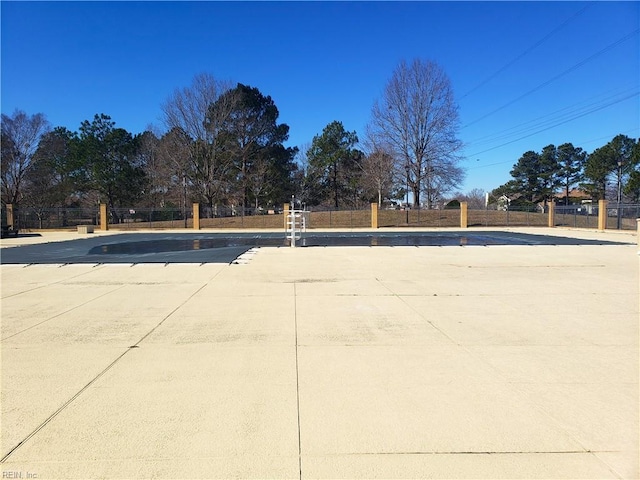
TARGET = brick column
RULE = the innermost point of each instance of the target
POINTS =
(374, 215)
(602, 215)
(552, 212)
(196, 216)
(11, 221)
(463, 214)
(104, 219)
(285, 212)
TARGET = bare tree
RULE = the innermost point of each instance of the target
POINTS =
(418, 117)
(257, 181)
(21, 135)
(475, 198)
(170, 177)
(187, 108)
(189, 111)
(301, 180)
(377, 167)
(155, 168)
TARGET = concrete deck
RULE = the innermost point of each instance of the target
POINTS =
(342, 362)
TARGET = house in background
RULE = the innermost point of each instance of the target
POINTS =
(576, 197)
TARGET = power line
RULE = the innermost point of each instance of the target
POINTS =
(553, 79)
(532, 47)
(635, 129)
(569, 112)
(593, 110)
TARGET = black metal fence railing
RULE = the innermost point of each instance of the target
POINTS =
(440, 218)
(576, 216)
(622, 217)
(54, 218)
(28, 218)
(329, 217)
(512, 216)
(63, 218)
(136, 218)
(236, 217)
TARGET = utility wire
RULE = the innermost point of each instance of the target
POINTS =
(593, 110)
(553, 79)
(568, 112)
(568, 109)
(634, 129)
(532, 47)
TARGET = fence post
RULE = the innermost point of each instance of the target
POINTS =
(602, 215)
(196, 216)
(463, 214)
(104, 219)
(374, 215)
(552, 211)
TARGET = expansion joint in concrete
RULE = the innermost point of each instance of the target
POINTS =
(295, 319)
(96, 378)
(61, 313)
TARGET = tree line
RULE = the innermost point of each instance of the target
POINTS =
(224, 146)
(609, 172)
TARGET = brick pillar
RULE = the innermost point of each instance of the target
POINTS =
(104, 219)
(602, 215)
(374, 215)
(463, 214)
(285, 211)
(11, 221)
(552, 212)
(196, 216)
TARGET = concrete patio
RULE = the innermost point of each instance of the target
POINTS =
(342, 362)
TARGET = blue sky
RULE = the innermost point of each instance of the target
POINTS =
(525, 74)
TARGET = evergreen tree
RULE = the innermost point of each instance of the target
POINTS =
(333, 166)
(110, 162)
(252, 139)
(571, 163)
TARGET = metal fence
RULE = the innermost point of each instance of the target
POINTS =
(513, 216)
(70, 218)
(442, 218)
(136, 218)
(55, 218)
(28, 218)
(622, 217)
(576, 216)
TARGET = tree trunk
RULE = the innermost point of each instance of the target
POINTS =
(335, 185)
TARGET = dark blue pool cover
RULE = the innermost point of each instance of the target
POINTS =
(226, 247)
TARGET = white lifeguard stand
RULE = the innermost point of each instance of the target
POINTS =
(296, 221)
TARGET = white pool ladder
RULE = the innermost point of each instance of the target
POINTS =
(296, 225)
